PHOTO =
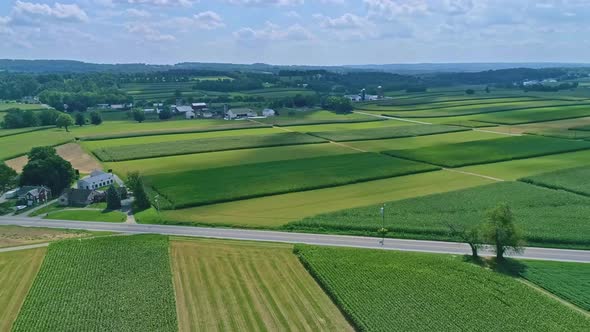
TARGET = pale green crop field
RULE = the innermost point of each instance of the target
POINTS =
(516, 169)
(16, 145)
(421, 141)
(274, 211)
(226, 158)
(24, 107)
(92, 145)
(348, 126)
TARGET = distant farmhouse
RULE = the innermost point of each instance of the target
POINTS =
(96, 179)
(117, 107)
(268, 112)
(240, 113)
(33, 195)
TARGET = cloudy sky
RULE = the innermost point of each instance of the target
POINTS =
(326, 32)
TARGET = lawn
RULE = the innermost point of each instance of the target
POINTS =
(87, 215)
(83, 287)
(516, 169)
(11, 236)
(163, 149)
(570, 281)
(247, 286)
(295, 118)
(17, 272)
(382, 133)
(570, 179)
(546, 217)
(217, 185)
(226, 158)
(277, 210)
(421, 141)
(382, 290)
(489, 151)
(18, 145)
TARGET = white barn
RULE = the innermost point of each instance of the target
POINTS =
(268, 112)
(95, 180)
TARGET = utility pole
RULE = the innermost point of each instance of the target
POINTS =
(157, 203)
(382, 242)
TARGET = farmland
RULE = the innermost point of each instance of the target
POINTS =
(87, 215)
(11, 236)
(247, 286)
(17, 145)
(382, 133)
(81, 286)
(25, 107)
(383, 290)
(218, 185)
(488, 151)
(570, 281)
(17, 272)
(570, 179)
(547, 217)
(162, 149)
(295, 118)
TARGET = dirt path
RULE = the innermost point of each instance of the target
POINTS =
(473, 174)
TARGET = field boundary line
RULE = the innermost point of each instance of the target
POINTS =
(393, 118)
(272, 126)
(473, 174)
(25, 247)
(348, 146)
(496, 132)
(553, 296)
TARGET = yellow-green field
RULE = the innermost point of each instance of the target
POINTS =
(246, 286)
(274, 211)
(17, 272)
(12, 236)
(16, 145)
(348, 126)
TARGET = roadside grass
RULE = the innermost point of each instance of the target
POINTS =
(516, 169)
(489, 151)
(17, 272)
(46, 209)
(570, 179)
(381, 290)
(83, 287)
(421, 141)
(275, 211)
(226, 158)
(162, 149)
(18, 145)
(87, 215)
(383, 133)
(569, 281)
(297, 118)
(546, 217)
(247, 286)
(217, 185)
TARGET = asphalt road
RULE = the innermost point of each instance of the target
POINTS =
(564, 255)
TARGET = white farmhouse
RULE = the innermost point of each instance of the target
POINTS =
(96, 179)
(190, 114)
(240, 113)
(268, 112)
(182, 109)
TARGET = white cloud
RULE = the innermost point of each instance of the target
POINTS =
(346, 21)
(391, 9)
(266, 2)
(148, 32)
(29, 12)
(133, 12)
(185, 3)
(273, 32)
(208, 20)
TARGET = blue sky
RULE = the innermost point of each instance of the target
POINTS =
(323, 32)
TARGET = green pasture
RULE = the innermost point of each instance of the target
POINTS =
(17, 145)
(386, 132)
(83, 287)
(515, 169)
(569, 179)
(421, 141)
(296, 118)
(348, 126)
(24, 107)
(225, 158)
(536, 115)
(489, 151)
(87, 215)
(217, 185)
(381, 290)
(10, 132)
(162, 149)
(569, 281)
(547, 217)
(277, 210)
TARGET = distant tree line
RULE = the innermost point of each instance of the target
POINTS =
(550, 88)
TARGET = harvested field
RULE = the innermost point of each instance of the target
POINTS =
(71, 152)
(11, 236)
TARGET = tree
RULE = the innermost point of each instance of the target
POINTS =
(113, 198)
(95, 118)
(135, 183)
(338, 104)
(501, 232)
(47, 168)
(64, 121)
(487, 89)
(471, 236)
(138, 115)
(80, 119)
(165, 114)
(470, 91)
(7, 177)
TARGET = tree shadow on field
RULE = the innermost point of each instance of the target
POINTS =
(511, 267)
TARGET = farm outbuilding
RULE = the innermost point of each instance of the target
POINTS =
(240, 113)
(96, 180)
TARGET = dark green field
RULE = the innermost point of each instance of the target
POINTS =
(489, 151)
(395, 291)
(200, 187)
(103, 284)
(547, 217)
(386, 132)
(162, 149)
(571, 179)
